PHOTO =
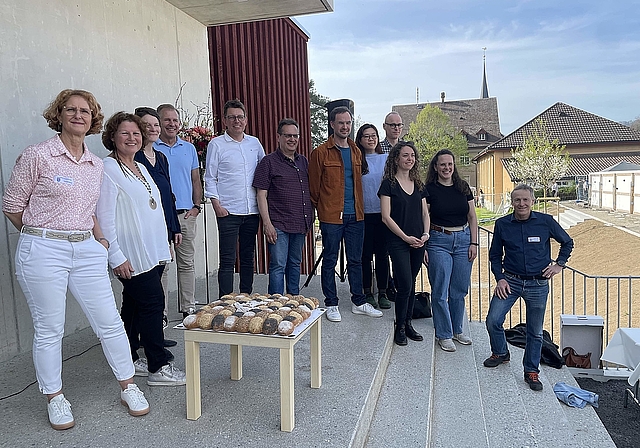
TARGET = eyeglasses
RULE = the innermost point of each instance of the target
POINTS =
(395, 125)
(72, 111)
(296, 136)
(235, 117)
(370, 136)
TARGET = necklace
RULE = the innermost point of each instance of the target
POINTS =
(152, 202)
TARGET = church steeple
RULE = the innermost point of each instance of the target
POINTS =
(485, 88)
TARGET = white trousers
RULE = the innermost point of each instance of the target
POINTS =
(45, 268)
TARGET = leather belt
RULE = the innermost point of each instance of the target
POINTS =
(448, 230)
(72, 237)
(526, 277)
(182, 211)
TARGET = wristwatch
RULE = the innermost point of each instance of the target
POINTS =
(561, 264)
(197, 206)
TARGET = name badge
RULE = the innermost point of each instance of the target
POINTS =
(63, 180)
(533, 239)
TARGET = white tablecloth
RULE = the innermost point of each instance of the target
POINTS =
(624, 349)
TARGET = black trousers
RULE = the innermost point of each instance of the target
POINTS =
(236, 230)
(406, 265)
(375, 244)
(141, 313)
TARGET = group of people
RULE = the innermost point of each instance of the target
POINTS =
(136, 210)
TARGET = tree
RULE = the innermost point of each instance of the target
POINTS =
(540, 161)
(318, 116)
(433, 131)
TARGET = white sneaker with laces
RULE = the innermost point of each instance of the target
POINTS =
(366, 309)
(133, 398)
(333, 314)
(60, 416)
(142, 368)
(168, 375)
(462, 338)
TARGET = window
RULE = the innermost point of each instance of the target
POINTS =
(464, 160)
(482, 136)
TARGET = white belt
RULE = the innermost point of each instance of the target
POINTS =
(72, 237)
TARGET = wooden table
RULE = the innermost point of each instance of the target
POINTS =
(193, 338)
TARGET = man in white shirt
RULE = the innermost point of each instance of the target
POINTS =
(232, 159)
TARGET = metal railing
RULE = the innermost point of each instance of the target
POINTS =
(615, 298)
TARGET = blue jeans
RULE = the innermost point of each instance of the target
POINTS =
(534, 293)
(236, 231)
(574, 396)
(353, 233)
(285, 257)
(449, 275)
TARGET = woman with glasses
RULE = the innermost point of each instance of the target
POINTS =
(131, 215)
(158, 166)
(51, 199)
(452, 247)
(404, 212)
(373, 162)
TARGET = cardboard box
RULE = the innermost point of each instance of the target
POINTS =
(584, 334)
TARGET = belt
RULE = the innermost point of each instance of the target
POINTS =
(181, 211)
(449, 230)
(526, 277)
(72, 237)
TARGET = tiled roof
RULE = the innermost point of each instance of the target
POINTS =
(466, 115)
(582, 165)
(571, 125)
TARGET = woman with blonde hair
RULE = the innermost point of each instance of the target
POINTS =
(51, 199)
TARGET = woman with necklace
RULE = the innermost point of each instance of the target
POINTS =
(451, 249)
(158, 166)
(51, 199)
(132, 218)
(404, 212)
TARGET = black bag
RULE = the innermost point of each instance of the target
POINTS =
(422, 305)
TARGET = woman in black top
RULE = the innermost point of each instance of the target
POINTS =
(452, 247)
(404, 212)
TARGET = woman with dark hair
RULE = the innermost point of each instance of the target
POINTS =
(404, 212)
(132, 218)
(452, 247)
(51, 199)
(158, 166)
(373, 161)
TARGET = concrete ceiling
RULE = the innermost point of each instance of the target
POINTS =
(221, 12)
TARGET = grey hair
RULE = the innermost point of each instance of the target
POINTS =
(524, 187)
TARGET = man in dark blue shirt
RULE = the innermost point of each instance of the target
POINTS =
(520, 257)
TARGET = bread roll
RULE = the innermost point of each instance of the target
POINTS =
(230, 323)
(275, 316)
(190, 322)
(204, 321)
(242, 324)
(285, 328)
(218, 322)
(270, 326)
(297, 316)
(255, 325)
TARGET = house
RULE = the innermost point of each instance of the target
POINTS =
(477, 119)
(593, 143)
(617, 187)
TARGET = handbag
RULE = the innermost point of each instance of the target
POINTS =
(572, 359)
(422, 306)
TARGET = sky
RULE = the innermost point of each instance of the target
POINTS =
(378, 52)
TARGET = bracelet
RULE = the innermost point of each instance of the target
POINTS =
(425, 234)
(104, 239)
(474, 244)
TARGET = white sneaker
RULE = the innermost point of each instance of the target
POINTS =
(133, 398)
(168, 375)
(462, 338)
(366, 309)
(60, 416)
(142, 368)
(447, 345)
(333, 314)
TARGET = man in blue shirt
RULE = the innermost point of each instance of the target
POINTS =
(520, 257)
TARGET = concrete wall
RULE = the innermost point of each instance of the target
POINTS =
(128, 53)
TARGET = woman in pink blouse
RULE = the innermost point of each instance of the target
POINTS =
(51, 199)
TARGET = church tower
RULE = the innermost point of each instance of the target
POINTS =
(484, 93)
